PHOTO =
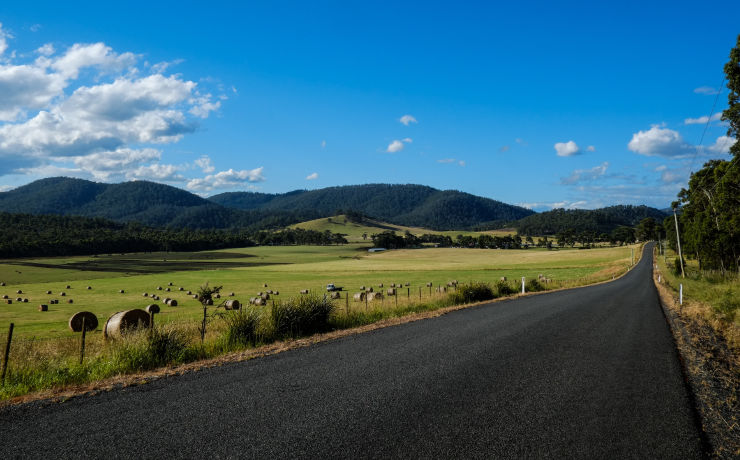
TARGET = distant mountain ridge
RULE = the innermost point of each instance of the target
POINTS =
(160, 205)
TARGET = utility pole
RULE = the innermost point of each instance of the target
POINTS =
(678, 241)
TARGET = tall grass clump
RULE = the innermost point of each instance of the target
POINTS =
(534, 285)
(242, 327)
(503, 288)
(149, 349)
(303, 315)
(727, 307)
(473, 292)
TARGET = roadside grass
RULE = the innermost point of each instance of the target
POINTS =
(45, 354)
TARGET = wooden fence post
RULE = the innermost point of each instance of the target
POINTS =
(7, 350)
(82, 343)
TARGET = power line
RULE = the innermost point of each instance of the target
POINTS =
(706, 126)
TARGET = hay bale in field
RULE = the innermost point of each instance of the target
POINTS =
(540, 276)
(166, 300)
(168, 289)
(2, 284)
(259, 301)
(9, 302)
(264, 285)
(156, 297)
(152, 308)
(25, 300)
(62, 294)
(232, 305)
(335, 295)
(181, 289)
(374, 296)
(503, 278)
(218, 296)
(231, 294)
(172, 303)
(276, 293)
(53, 301)
(169, 284)
(359, 297)
(304, 291)
(370, 289)
(145, 295)
(159, 288)
(260, 293)
(19, 299)
(209, 302)
(48, 292)
(89, 288)
(380, 285)
(407, 284)
(5, 296)
(429, 284)
(362, 288)
(190, 292)
(121, 291)
(265, 296)
(125, 320)
(195, 296)
(91, 321)
(393, 285)
(43, 307)
(391, 291)
(70, 301)
(19, 291)
(68, 287)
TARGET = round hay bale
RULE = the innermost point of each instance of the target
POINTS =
(123, 321)
(362, 288)
(25, 300)
(259, 301)
(152, 308)
(336, 295)
(264, 285)
(260, 293)
(70, 301)
(304, 291)
(68, 287)
(121, 291)
(181, 289)
(218, 296)
(393, 285)
(168, 289)
(359, 296)
(391, 291)
(276, 293)
(429, 284)
(232, 304)
(19, 299)
(380, 285)
(91, 321)
(407, 284)
(5, 296)
(156, 297)
(145, 295)
(9, 302)
(209, 302)
(370, 289)
(172, 303)
(374, 296)
(43, 307)
(266, 296)
(159, 288)
(195, 296)
(19, 291)
(503, 278)
(190, 292)
(231, 294)
(62, 294)
(48, 292)
(169, 284)
(89, 288)
(166, 300)
(2, 284)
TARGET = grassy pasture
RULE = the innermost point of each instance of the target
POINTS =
(287, 269)
(354, 231)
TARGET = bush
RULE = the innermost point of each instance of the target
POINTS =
(676, 266)
(148, 349)
(534, 285)
(301, 316)
(727, 307)
(504, 288)
(474, 292)
(241, 327)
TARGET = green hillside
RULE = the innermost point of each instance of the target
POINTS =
(602, 220)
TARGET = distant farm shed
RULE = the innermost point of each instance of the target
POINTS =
(376, 249)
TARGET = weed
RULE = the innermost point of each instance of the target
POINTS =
(301, 316)
(503, 288)
(726, 309)
(473, 292)
(242, 327)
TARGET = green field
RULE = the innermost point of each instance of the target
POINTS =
(354, 231)
(287, 269)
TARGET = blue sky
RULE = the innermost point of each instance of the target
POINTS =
(576, 105)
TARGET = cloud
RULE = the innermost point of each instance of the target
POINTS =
(407, 140)
(541, 205)
(4, 40)
(6, 188)
(88, 111)
(205, 165)
(35, 27)
(312, 176)
(520, 141)
(323, 144)
(461, 163)
(585, 175)
(226, 179)
(567, 149)
(722, 145)
(395, 146)
(702, 120)
(157, 172)
(161, 67)
(504, 148)
(446, 160)
(706, 90)
(590, 148)
(658, 141)
(407, 119)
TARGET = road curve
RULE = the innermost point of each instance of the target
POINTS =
(583, 373)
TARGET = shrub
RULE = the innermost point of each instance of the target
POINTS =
(534, 285)
(241, 327)
(727, 307)
(676, 266)
(148, 349)
(474, 292)
(301, 316)
(504, 288)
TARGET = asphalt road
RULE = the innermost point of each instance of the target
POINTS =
(584, 373)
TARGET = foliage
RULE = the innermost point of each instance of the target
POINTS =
(726, 309)
(503, 288)
(149, 349)
(303, 315)
(206, 294)
(473, 292)
(242, 326)
(533, 285)
(597, 221)
(732, 114)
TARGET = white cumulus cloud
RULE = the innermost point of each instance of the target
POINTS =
(312, 176)
(584, 175)
(706, 90)
(659, 141)
(205, 165)
(226, 179)
(567, 149)
(407, 119)
(702, 120)
(395, 146)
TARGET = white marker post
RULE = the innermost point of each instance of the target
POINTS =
(633, 255)
(522, 285)
(680, 294)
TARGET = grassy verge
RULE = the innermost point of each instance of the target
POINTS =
(706, 330)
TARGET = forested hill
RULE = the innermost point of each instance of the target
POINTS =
(411, 205)
(602, 220)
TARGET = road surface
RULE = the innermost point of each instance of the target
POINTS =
(584, 373)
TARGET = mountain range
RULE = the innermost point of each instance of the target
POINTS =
(160, 205)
